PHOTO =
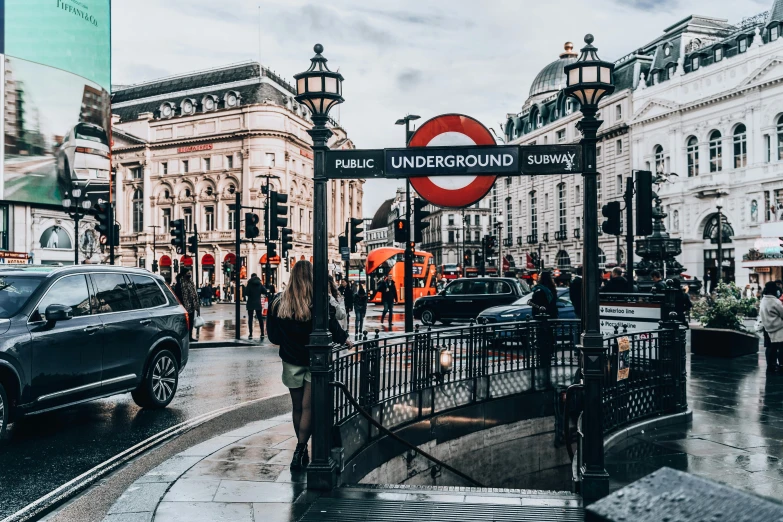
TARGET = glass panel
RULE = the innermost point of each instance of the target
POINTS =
(69, 291)
(590, 95)
(314, 84)
(330, 84)
(573, 76)
(111, 293)
(148, 291)
(606, 75)
(300, 85)
(590, 74)
(14, 293)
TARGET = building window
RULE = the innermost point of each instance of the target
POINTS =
(717, 54)
(533, 214)
(451, 219)
(509, 219)
(185, 166)
(560, 135)
(477, 220)
(136, 172)
(767, 148)
(740, 147)
(569, 106)
(476, 236)
(619, 184)
(165, 219)
(659, 160)
(539, 120)
(138, 210)
(562, 208)
(209, 218)
(780, 138)
(230, 161)
(716, 152)
(742, 45)
(774, 32)
(618, 112)
(187, 215)
(451, 236)
(692, 154)
(669, 72)
(598, 185)
(618, 146)
(270, 159)
(695, 63)
(546, 201)
(207, 164)
(164, 167)
(598, 152)
(232, 216)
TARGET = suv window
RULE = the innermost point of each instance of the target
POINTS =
(14, 293)
(502, 287)
(454, 288)
(478, 288)
(112, 293)
(69, 291)
(148, 291)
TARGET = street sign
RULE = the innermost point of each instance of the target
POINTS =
(630, 317)
(355, 163)
(550, 159)
(453, 130)
(452, 161)
(345, 253)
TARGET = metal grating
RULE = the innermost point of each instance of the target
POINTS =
(349, 510)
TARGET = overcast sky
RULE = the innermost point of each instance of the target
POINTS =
(406, 56)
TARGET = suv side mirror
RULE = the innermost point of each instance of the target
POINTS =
(57, 312)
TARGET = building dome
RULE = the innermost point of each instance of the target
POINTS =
(552, 78)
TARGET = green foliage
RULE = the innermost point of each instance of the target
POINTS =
(725, 308)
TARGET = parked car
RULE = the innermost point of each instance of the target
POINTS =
(465, 298)
(84, 162)
(74, 334)
(521, 308)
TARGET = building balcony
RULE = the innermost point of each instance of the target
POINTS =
(561, 235)
(577, 233)
(545, 237)
(508, 242)
(521, 241)
(532, 239)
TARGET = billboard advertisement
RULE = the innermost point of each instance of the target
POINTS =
(57, 79)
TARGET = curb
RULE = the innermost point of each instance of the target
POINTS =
(654, 423)
(222, 344)
(80, 483)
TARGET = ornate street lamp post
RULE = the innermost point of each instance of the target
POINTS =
(588, 80)
(320, 89)
(77, 209)
(719, 259)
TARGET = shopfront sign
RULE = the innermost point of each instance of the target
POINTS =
(14, 258)
(195, 148)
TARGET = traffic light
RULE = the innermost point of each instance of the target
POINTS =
(177, 230)
(342, 242)
(271, 250)
(478, 258)
(277, 213)
(104, 217)
(356, 230)
(228, 266)
(490, 246)
(251, 226)
(154, 266)
(115, 238)
(644, 203)
(193, 244)
(612, 225)
(286, 240)
(418, 219)
(401, 233)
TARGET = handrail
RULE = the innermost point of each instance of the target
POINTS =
(396, 437)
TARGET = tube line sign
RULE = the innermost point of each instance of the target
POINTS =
(500, 160)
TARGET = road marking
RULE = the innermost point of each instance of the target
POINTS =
(80, 483)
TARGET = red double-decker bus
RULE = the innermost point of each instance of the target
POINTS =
(450, 271)
(390, 261)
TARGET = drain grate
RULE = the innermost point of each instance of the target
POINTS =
(377, 510)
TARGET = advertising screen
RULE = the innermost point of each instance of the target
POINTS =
(56, 125)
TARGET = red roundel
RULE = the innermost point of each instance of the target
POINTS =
(452, 130)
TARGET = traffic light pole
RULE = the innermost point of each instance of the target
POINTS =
(629, 232)
(267, 225)
(111, 231)
(195, 256)
(237, 262)
(408, 246)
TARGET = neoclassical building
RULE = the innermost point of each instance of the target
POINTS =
(185, 145)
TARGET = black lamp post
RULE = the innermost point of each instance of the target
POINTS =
(408, 277)
(320, 89)
(77, 209)
(588, 80)
(719, 259)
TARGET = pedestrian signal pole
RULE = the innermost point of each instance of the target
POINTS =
(237, 260)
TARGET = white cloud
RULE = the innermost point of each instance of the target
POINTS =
(427, 58)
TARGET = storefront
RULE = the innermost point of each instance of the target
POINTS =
(165, 268)
(207, 269)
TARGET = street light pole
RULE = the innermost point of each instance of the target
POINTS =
(588, 80)
(319, 89)
(408, 258)
(77, 209)
(719, 259)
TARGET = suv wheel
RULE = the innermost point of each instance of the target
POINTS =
(159, 385)
(427, 317)
(5, 411)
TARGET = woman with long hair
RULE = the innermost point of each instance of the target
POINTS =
(289, 325)
(544, 300)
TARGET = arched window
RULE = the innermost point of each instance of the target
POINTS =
(740, 147)
(563, 260)
(539, 120)
(716, 152)
(138, 210)
(659, 166)
(676, 220)
(780, 137)
(562, 209)
(533, 214)
(692, 153)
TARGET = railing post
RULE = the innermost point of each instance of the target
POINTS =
(322, 471)
(544, 342)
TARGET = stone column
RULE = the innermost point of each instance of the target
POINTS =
(147, 189)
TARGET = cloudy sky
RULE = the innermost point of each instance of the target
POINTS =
(405, 56)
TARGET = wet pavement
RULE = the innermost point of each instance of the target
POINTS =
(42, 452)
(736, 436)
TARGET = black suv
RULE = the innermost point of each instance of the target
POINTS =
(465, 298)
(73, 334)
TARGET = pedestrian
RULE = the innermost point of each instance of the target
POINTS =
(337, 304)
(771, 316)
(254, 290)
(360, 309)
(575, 291)
(289, 326)
(189, 299)
(779, 284)
(707, 283)
(347, 293)
(682, 302)
(441, 284)
(388, 298)
(217, 294)
(658, 284)
(544, 300)
(617, 283)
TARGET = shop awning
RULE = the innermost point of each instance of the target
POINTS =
(207, 259)
(186, 261)
(274, 261)
(231, 258)
(762, 262)
(165, 261)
